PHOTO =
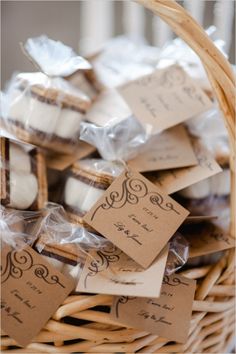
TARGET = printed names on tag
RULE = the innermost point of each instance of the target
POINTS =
(32, 290)
(110, 271)
(176, 179)
(207, 238)
(168, 316)
(165, 98)
(169, 149)
(136, 216)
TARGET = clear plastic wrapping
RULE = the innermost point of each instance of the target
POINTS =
(178, 253)
(115, 66)
(16, 227)
(178, 52)
(43, 107)
(65, 245)
(23, 175)
(91, 177)
(44, 111)
(112, 128)
(116, 141)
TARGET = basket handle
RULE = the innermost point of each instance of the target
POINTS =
(217, 67)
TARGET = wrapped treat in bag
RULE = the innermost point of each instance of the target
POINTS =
(178, 52)
(118, 136)
(23, 175)
(28, 281)
(63, 244)
(42, 107)
(113, 66)
(113, 129)
(20, 221)
(56, 59)
(212, 194)
(15, 226)
(86, 182)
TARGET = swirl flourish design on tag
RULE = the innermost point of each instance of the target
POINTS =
(132, 190)
(174, 281)
(19, 262)
(105, 257)
(121, 301)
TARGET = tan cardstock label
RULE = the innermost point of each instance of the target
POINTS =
(32, 290)
(176, 179)
(206, 239)
(111, 271)
(169, 149)
(109, 107)
(60, 162)
(136, 216)
(165, 98)
(168, 316)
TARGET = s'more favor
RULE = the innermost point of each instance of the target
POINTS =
(23, 175)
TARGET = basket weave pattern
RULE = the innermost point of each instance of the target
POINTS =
(212, 323)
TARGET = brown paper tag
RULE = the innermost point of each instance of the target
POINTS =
(32, 290)
(168, 316)
(136, 216)
(174, 180)
(165, 98)
(60, 162)
(112, 272)
(206, 239)
(109, 107)
(170, 149)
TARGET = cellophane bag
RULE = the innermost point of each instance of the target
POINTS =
(23, 175)
(64, 245)
(42, 107)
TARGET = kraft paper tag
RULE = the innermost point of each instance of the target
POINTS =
(168, 316)
(60, 162)
(207, 238)
(109, 107)
(136, 216)
(32, 290)
(176, 179)
(110, 271)
(170, 149)
(165, 98)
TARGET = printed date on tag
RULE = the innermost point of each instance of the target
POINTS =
(168, 316)
(136, 216)
(165, 98)
(32, 290)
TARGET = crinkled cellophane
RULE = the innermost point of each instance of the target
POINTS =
(212, 324)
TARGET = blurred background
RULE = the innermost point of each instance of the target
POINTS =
(86, 25)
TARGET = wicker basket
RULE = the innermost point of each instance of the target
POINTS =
(212, 323)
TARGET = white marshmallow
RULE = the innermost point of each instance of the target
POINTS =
(218, 185)
(68, 123)
(42, 116)
(73, 271)
(197, 191)
(23, 189)
(53, 262)
(19, 106)
(19, 159)
(81, 195)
